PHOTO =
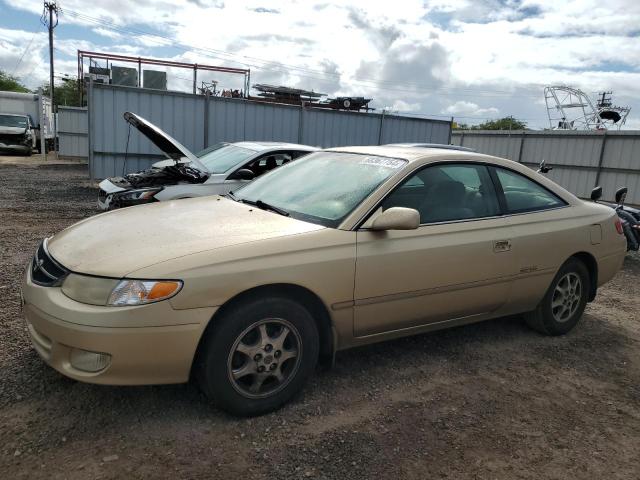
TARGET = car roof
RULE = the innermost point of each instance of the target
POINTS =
(260, 146)
(411, 154)
(431, 145)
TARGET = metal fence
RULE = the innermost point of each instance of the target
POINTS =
(580, 160)
(198, 121)
(73, 139)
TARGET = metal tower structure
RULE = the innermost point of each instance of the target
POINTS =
(572, 109)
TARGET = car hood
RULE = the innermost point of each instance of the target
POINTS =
(116, 243)
(173, 149)
(12, 130)
(168, 163)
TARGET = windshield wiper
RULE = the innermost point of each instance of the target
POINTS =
(265, 206)
(231, 196)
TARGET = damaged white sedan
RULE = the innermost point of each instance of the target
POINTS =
(216, 170)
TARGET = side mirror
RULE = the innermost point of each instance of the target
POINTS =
(596, 193)
(543, 168)
(243, 174)
(397, 218)
(621, 195)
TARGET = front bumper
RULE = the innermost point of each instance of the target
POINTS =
(10, 147)
(105, 194)
(150, 344)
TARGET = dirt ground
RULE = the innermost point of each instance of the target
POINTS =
(487, 401)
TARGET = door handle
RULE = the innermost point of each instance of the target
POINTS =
(501, 246)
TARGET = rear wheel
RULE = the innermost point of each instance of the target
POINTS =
(258, 355)
(565, 301)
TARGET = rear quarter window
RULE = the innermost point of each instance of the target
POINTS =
(522, 194)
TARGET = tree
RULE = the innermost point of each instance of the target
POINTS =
(11, 84)
(66, 94)
(506, 123)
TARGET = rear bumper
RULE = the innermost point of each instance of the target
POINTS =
(140, 354)
(610, 265)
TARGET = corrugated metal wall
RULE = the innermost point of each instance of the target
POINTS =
(72, 132)
(580, 160)
(180, 115)
(187, 117)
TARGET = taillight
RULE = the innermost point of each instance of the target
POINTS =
(619, 226)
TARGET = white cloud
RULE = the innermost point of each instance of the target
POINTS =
(477, 58)
(470, 110)
(402, 106)
(108, 33)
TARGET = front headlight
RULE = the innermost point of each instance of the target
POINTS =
(143, 194)
(115, 292)
(86, 289)
(139, 292)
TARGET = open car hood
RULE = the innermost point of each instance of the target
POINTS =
(161, 139)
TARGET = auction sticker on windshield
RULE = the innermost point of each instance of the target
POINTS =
(383, 162)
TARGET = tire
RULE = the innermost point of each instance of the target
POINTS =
(557, 314)
(241, 349)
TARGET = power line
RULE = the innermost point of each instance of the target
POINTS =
(300, 71)
(15, 69)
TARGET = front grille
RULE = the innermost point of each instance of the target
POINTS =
(45, 270)
(11, 139)
(102, 195)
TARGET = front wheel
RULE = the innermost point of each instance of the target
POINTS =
(258, 355)
(565, 301)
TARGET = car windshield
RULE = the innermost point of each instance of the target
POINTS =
(13, 121)
(322, 187)
(223, 156)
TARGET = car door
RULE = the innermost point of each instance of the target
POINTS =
(543, 235)
(456, 264)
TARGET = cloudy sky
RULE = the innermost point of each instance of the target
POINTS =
(470, 59)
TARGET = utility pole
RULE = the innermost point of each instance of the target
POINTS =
(50, 23)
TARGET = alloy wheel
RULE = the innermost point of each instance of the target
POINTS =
(566, 297)
(264, 358)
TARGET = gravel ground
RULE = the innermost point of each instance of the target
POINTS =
(487, 401)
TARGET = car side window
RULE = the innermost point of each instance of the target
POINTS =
(524, 195)
(295, 154)
(447, 192)
(268, 162)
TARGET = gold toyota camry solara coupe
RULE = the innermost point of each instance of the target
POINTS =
(246, 293)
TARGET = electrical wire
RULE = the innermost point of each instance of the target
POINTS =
(15, 69)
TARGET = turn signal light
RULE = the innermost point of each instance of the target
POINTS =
(139, 292)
